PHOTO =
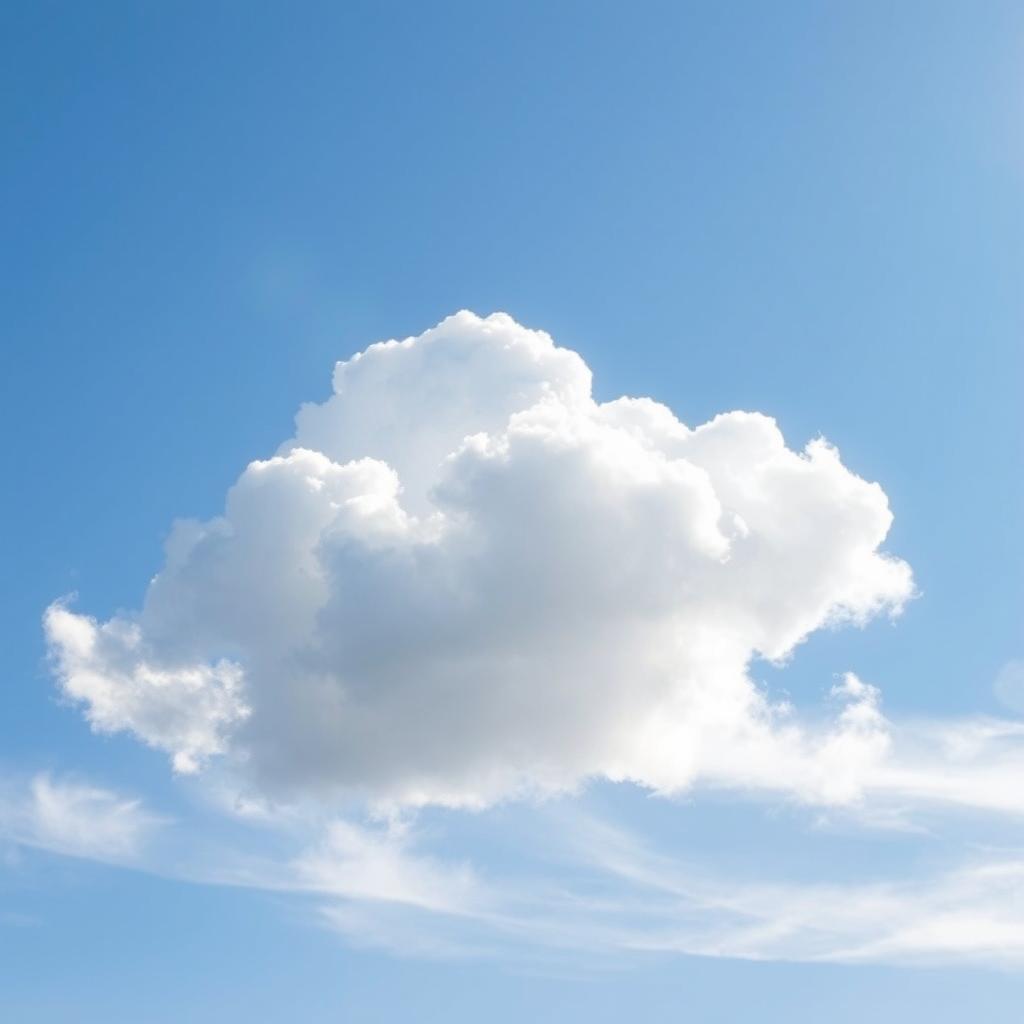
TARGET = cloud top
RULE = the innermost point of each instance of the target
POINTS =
(464, 578)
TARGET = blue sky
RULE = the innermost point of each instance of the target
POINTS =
(807, 211)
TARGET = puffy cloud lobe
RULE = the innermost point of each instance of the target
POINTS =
(184, 708)
(465, 578)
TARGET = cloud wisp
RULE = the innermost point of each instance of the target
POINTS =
(75, 819)
(581, 891)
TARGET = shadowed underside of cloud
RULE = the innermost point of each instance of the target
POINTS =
(464, 579)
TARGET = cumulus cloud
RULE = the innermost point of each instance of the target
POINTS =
(464, 578)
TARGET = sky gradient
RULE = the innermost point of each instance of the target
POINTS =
(811, 212)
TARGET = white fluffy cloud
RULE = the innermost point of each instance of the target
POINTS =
(184, 709)
(464, 578)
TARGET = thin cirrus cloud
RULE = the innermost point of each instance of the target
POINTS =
(465, 582)
(596, 894)
(75, 818)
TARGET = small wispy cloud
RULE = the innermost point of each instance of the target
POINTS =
(76, 819)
